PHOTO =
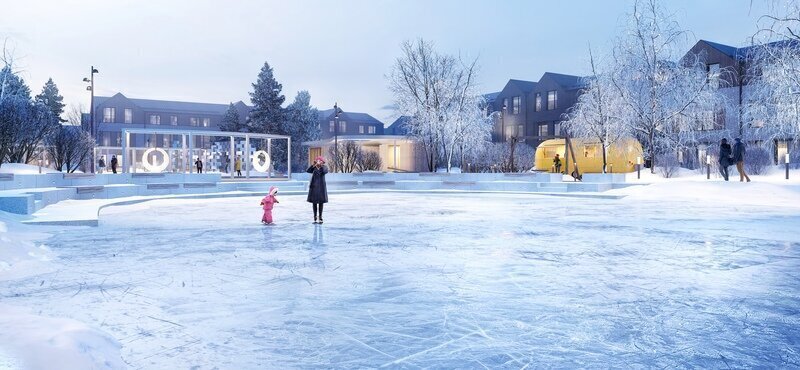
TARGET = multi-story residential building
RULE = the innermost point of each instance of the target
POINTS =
(118, 112)
(731, 64)
(533, 111)
(349, 123)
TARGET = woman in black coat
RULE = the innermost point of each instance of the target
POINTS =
(724, 158)
(317, 190)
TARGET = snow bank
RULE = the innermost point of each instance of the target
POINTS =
(732, 192)
(36, 342)
(23, 169)
(20, 253)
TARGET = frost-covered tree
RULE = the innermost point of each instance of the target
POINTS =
(266, 97)
(772, 99)
(231, 121)
(302, 125)
(439, 92)
(69, 146)
(662, 94)
(51, 98)
(599, 112)
(12, 85)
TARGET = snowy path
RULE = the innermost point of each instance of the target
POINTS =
(454, 281)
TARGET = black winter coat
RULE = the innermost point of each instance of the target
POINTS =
(725, 154)
(738, 151)
(317, 190)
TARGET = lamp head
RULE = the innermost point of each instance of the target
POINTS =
(94, 70)
(86, 79)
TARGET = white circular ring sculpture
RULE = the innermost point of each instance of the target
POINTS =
(152, 167)
(257, 165)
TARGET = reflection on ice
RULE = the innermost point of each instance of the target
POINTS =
(453, 281)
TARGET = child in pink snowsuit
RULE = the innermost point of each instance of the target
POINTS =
(267, 203)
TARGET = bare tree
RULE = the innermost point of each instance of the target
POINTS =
(69, 145)
(346, 157)
(660, 96)
(439, 92)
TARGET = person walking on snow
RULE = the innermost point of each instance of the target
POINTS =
(317, 189)
(267, 203)
(114, 163)
(724, 158)
(102, 164)
(238, 166)
(199, 164)
(738, 157)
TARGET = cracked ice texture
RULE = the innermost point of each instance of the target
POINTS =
(446, 281)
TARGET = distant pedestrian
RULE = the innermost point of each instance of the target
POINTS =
(114, 163)
(238, 166)
(101, 164)
(317, 189)
(557, 163)
(725, 159)
(738, 157)
(267, 203)
(199, 164)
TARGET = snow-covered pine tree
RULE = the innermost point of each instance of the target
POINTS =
(51, 98)
(267, 114)
(302, 124)
(231, 121)
(12, 85)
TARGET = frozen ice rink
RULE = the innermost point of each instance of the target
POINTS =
(433, 281)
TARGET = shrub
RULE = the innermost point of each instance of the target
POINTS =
(757, 160)
(369, 161)
(667, 164)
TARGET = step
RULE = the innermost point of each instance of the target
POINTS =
(163, 186)
(194, 185)
(78, 176)
(147, 174)
(377, 183)
(89, 189)
(6, 177)
(458, 183)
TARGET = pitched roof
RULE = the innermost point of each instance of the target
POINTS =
(352, 116)
(398, 127)
(747, 51)
(728, 50)
(525, 86)
(568, 82)
(173, 106)
(490, 97)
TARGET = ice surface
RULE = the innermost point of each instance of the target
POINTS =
(444, 281)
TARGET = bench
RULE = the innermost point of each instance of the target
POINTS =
(6, 177)
(377, 183)
(342, 182)
(78, 176)
(163, 186)
(358, 174)
(425, 174)
(458, 182)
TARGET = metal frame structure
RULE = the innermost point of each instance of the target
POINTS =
(187, 143)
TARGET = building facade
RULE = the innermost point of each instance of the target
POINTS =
(114, 113)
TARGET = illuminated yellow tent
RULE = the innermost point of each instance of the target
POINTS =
(621, 155)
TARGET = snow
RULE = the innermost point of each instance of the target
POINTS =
(24, 169)
(439, 280)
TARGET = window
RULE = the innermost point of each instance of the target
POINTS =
(505, 104)
(515, 102)
(360, 129)
(332, 126)
(552, 100)
(538, 105)
(155, 119)
(108, 115)
(206, 122)
(590, 151)
(342, 126)
(128, 115)
(173, 120)
(371, 129)
(557, 129)
(713, 75)
(193, 121)
(520, 130)
(543, 129)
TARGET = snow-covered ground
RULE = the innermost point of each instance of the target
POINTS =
(24, 169)
(677, 274)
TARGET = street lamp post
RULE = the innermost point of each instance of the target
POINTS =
(92, 129)
(638, 167)
(708, 167)
(503, 122)
(786, 159)
(336, 112)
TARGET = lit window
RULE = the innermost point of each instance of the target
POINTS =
(360, 129)
(128, 115)
(543, 129)
(516, 103)
(173, 120)
(206, 122)
(155, 119)
(109, 115)
(193, 121)
(371, 129)
(590, 151)
(538, 106)
(552, 100)
(557, 129)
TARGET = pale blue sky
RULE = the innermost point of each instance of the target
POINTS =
(211, 51)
